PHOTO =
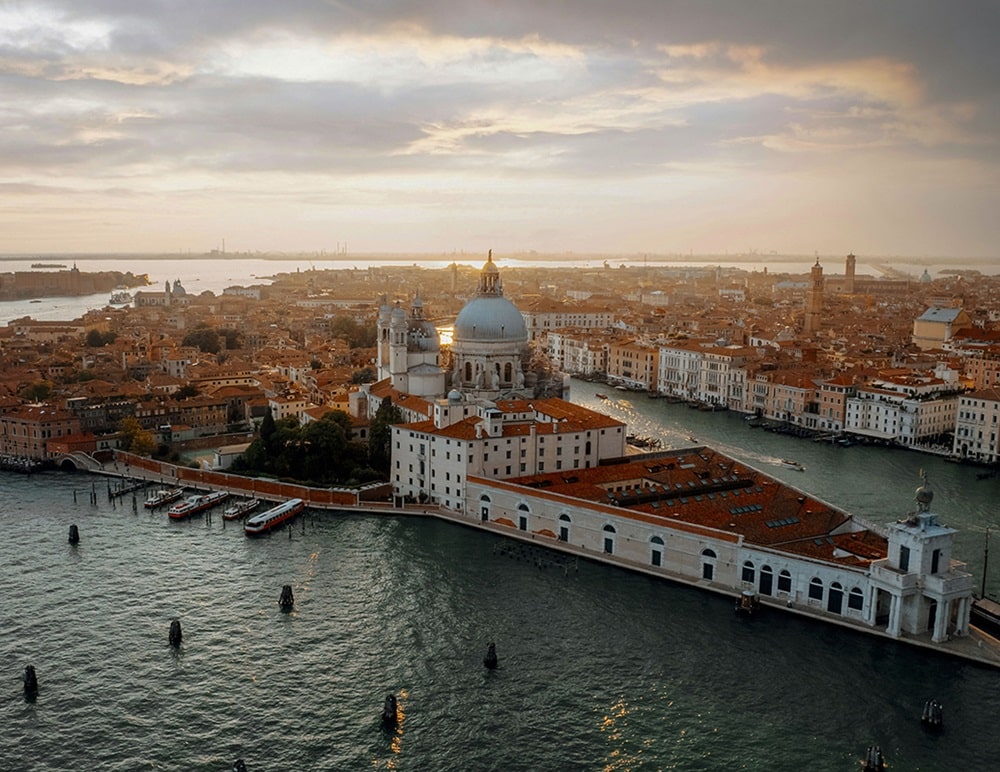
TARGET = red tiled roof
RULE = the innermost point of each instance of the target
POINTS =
(702, 488)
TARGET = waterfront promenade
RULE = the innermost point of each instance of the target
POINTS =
(978, 646)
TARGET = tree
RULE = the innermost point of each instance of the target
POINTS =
(39, 391)
(96, 338)
(204, 338)
(133, 438)
(364, 375)
(356, 335)
(324, 443)
(380, 435)
(186, 391)
(267, 427)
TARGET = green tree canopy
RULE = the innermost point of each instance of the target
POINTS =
(96, 338)
(39, 391)
(133, 438)
(356, 335)
(320, 452)
(364, 375)
(380, 435)
(204, 338)
(186, 391)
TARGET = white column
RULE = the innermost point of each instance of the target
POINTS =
(895, 615)
(962, 617)
(941, 621)
(871, 607)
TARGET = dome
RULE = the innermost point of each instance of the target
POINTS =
(924, 495)
(422, 335)
(487, 318)
(454, 396)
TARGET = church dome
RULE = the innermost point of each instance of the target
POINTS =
(489, 316)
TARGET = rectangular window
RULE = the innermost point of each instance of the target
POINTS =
(904, 558)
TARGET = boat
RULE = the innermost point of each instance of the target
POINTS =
(601, 396)
(621, 388)
(985, 614)
(162, 496)
(240, 509)
(692, 438)
(789, 463)
(120, 297)
(272, 518)
(748, 604)
(194, 504)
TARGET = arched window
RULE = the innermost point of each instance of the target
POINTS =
(656, 551)
(586, 448)
(468, 372)
(856, 599)
(708, 564)
(748, 572)
(484, 507)
(564, 523)
(609, 539)
(508, 373)
(522, 516)
(815, 588)
(784, 581)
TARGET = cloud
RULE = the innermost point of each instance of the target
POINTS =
(397, 104)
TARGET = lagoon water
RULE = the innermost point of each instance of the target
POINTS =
(599, 669)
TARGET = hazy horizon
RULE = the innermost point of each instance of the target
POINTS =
(660, 127)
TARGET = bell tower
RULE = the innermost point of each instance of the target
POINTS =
(814, 300)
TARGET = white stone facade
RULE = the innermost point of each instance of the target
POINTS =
(915, 590)
(977, 427)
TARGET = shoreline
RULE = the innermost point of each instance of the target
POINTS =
(978, 647)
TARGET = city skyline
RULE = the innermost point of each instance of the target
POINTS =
(661, 127)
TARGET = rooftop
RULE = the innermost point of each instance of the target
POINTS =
(702, 487)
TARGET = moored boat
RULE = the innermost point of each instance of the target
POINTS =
(162, 496)
(194, 504)
(272, 518)
(240, 509)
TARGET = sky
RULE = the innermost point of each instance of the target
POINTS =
(625, 127)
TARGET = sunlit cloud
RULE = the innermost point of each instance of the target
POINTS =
(637, 126)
